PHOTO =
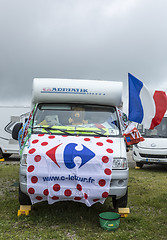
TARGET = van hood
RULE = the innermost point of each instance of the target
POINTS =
(149, 143)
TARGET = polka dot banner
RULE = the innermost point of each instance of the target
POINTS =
(61, 168)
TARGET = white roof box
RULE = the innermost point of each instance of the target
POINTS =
(54, 90)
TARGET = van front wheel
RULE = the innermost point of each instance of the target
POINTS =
(121, 202)
(23, 198)
(139, 164)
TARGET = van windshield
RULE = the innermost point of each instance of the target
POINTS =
(158, 131)
(74, 119)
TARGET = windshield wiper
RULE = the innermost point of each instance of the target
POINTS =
(67, 131)
(81, 130)
(54, 129)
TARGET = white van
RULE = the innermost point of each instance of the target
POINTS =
(10, 114)
(154, 148)
(82, 108)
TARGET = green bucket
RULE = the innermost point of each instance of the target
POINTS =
(109, 220)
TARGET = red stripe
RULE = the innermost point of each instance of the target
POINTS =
(160, 99)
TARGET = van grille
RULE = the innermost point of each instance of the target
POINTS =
(152, 156)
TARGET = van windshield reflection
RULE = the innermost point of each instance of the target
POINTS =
(74, 119)
(159, 131)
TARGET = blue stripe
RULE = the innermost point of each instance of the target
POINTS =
(135, 105)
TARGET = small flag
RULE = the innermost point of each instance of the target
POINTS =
(132, 135)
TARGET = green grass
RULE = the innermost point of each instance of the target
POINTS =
(69, 220)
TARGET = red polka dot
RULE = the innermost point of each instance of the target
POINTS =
(37, 158)
(32, 150)
(85, 196)
(40, 135)
(51, 137)
(67, 192)
(109, 141)
(99, 143)
(39, 198)
(46, 192)
(56, 187)
(109, 150)
(79, 187)
(96, 137)
(87, 139)
(34, 179)
(31, 190)
(55, 198)
(95, 200)
(64, 136)
(102, 182)
(77, 198)
(44, 143)
(105, 159)
(105, 194)
(35, 141)
(31, 168)
(107, 171)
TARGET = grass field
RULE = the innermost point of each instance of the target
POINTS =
(69, 220)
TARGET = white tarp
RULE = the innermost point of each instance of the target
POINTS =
(76, 168)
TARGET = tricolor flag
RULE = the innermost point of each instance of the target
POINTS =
(144, 107)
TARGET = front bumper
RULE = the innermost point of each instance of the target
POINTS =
(150, 156)
(118, 186)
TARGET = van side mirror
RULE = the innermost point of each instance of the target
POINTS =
(16, 129)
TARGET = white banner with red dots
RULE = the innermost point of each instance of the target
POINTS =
(76, 168)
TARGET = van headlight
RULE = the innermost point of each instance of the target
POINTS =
(24, 159)
(119, 163)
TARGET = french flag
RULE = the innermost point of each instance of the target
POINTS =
(144, 107)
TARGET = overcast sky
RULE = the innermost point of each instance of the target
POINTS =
(87, 39)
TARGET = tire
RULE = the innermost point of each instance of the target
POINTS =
(139, 164)
(121, 202)
(23, 198)
(1, 154)
(6, 155)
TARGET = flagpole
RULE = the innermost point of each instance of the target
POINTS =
(127, 102)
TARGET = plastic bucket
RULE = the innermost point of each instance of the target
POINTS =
(109, 220)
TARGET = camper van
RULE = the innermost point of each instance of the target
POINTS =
(68, 116)
(10, 115)
(153, 150)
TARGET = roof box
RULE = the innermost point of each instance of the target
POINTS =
(54, 90)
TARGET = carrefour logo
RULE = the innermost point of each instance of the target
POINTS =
(69, 91)
(70, 153)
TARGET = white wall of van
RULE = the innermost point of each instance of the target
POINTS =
(9, 116)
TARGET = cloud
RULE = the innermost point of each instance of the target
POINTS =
(90, 39)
